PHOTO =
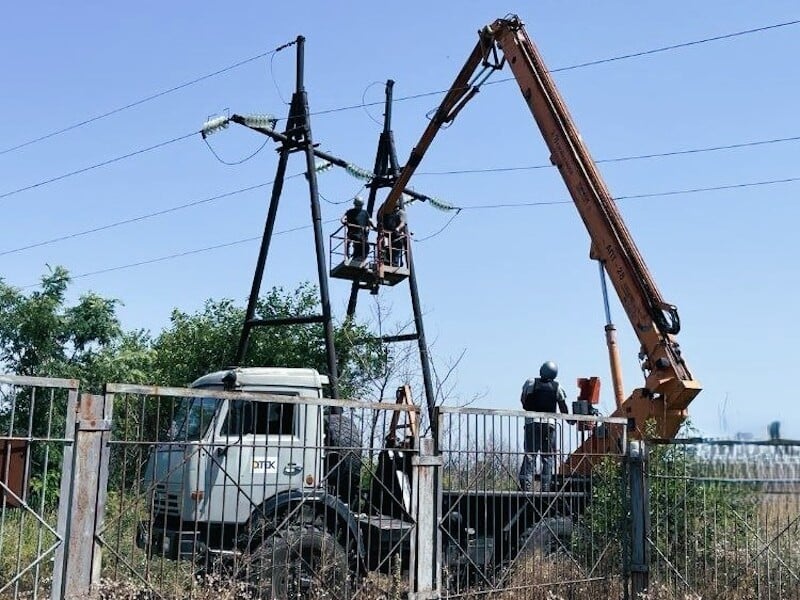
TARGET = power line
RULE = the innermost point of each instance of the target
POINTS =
(440, 230)
(698, 190)
(139, 218)
(97, 165)
(238, 191)
(245, 61)
(363, 105)
(715, 188)
(135, 103)
(583, 65)
(233, 163)
(716, 38)
(167, 257)
(619, 159)
(474, 207)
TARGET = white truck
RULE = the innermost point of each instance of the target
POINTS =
(264, 478)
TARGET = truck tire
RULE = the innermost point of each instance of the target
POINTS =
(302, 562)
(343, 457)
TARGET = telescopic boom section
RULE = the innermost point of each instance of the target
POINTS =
(669, 386)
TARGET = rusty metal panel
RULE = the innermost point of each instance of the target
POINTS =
(13, 480)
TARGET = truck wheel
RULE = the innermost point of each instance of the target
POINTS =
(343, 457)
(297, 564)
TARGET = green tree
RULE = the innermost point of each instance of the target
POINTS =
(205, 341)
(41, 334)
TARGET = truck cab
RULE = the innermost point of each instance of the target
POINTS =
(247, 435)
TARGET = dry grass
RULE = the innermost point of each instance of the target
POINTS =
(759, 561)
(208, 588)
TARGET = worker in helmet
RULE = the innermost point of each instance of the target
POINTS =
(358, 223)
(394, 225)
(545, 395)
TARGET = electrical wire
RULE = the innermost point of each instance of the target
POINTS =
(167, 257)
(347, 199)
(97, 165)
(143, 217)
(332, 202)
(272, 75)
(363, 105)
(245, 61)
(619, 159)
(135, 103)
(698, 190)
(474, 207)
(583, 65)
(441, 230)
(716, 38)
(364, 102)
(715, 188)
(236, 162)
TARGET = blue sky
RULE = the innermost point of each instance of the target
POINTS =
(513, 287)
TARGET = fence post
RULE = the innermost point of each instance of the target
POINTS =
(425, 567)
(56, 591)
(640, 518)
(87, 496)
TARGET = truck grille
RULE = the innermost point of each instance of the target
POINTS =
(164, 502)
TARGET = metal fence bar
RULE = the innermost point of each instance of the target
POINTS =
(65, 495)
(160, 391)
(40, 382)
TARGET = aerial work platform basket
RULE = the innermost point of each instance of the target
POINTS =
(370, 263)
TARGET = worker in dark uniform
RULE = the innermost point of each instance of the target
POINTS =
(542, 394)
(394, 225)
(358, 223)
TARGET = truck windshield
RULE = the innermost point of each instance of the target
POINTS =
(192, 418)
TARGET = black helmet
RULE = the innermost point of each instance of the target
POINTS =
(548, 370)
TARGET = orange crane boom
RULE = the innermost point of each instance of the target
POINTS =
(669, 386)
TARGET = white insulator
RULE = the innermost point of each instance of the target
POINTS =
(215, 124)
(260, 121)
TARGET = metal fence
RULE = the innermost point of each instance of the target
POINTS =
(149, 492)
(516, 504)
(37, 422)
(279, 496)
(725, 519)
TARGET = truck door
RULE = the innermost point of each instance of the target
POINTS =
(263, 448)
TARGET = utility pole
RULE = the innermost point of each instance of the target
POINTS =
(296, 137)
(386, 172)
